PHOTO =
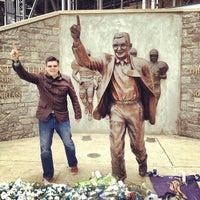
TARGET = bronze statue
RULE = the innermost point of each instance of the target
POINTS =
(126, 95)
(159, 70)
(133, 52)
(88, 81)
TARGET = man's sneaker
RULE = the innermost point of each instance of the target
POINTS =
(74, 170)
(47, 181)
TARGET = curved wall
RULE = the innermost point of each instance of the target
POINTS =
(171, 32)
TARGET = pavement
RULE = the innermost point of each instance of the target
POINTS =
(171, 155)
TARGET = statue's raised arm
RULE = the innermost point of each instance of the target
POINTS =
(78, 48)
(76, 30)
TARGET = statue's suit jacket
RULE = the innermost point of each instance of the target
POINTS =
(105, 65)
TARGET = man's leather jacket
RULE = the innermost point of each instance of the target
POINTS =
(52, 94)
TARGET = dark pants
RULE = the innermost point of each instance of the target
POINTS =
(46, 130)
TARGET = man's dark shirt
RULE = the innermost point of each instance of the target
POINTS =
(53, 94)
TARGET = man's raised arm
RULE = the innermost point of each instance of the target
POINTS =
(14, 54)
(76, 30)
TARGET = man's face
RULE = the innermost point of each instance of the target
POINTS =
(153, 58)
(52, 68)
(121, 48)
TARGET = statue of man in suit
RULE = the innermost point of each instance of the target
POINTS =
(126, 95)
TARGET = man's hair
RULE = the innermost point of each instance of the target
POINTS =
(51, 58)
(122, 34)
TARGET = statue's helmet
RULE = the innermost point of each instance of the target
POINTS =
(153, 52)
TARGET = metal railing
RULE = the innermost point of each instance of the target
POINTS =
(17, 10)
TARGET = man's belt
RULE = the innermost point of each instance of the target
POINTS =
(52, 114)
(127, 101)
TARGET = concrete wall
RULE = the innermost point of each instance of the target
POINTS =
(147, 31)
(49, 34)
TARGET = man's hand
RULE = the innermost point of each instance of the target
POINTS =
(76, 29)
(14, 54)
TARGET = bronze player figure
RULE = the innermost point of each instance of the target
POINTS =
(133, 52)
(159, 71)
(126, 95)
(88, 81)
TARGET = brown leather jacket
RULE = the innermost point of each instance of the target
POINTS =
(105, 65)
(52, 94)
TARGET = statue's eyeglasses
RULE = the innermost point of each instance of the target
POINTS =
(122, 46)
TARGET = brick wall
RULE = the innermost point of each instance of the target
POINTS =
(35, 41)
(189, 121)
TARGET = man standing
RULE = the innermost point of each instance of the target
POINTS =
(126, 95)
(52, 111)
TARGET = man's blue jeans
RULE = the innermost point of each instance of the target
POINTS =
(46, 131)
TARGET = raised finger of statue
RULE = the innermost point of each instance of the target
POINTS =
(78, 21)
